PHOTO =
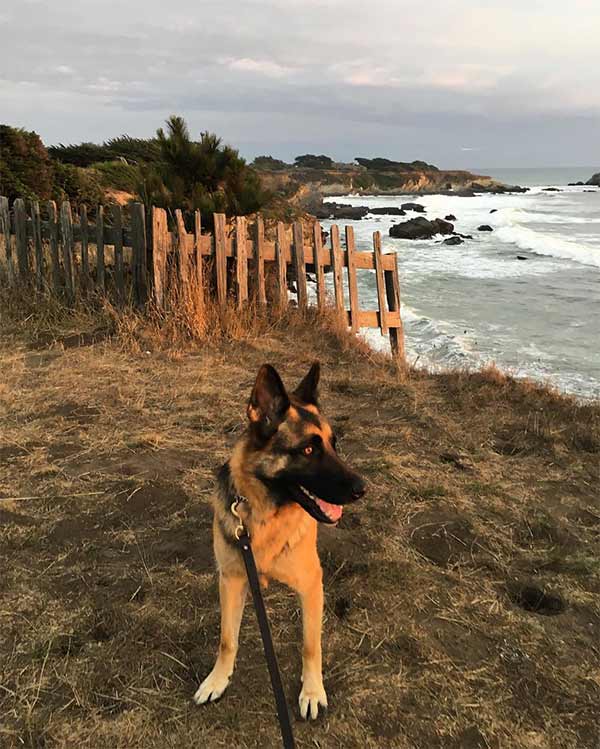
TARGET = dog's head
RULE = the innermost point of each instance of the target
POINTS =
(294, 447)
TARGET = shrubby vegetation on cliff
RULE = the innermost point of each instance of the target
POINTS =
(126, 148)
(387, 165)
(25, 168)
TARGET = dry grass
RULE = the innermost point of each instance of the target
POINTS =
(483, 495)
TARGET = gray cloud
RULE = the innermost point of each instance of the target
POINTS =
(459, 83)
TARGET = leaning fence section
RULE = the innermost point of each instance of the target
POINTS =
(135, 255)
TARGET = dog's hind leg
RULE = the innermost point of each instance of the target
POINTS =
(232, 594)
(313, 692)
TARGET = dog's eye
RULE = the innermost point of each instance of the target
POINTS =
(308, 450)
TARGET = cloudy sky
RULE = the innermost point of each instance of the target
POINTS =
(456, 82)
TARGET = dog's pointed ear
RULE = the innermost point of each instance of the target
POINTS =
(307, 391)
(268, 401)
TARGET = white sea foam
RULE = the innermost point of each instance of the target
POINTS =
(552, 245)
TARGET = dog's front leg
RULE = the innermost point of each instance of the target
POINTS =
(313, 692)
(232, 594)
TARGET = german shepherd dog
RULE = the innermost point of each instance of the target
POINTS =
(287, 476)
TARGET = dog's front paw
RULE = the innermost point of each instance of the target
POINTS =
(211, 688)
(311, 696)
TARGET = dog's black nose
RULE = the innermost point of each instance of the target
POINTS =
(358, 488)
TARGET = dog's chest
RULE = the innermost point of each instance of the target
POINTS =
(277, 539)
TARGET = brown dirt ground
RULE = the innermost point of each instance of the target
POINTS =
(462, 594)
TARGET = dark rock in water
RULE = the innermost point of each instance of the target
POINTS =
(494, 210)
(551, 189)
(420, 228)
(498, 189)
(450, 217)
(341, 210)
(463, 236)
(392, 210)
(576, 184)
(521, 257)
(594, 180)
(484, 227)
(454, 240)
(417, 207)
(590, 191)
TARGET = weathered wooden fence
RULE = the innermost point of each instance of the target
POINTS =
(134, 264)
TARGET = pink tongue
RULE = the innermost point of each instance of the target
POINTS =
(333, 512)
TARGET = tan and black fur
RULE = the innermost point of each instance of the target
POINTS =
(287, 469)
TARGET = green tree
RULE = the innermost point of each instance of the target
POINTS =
(202, 175)
(25, 168)
(269, 164)
(310, 161)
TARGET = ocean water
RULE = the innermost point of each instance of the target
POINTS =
(477, 303)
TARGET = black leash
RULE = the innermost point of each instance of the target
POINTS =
(283, 714)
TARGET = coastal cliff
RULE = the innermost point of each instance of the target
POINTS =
(306, 188)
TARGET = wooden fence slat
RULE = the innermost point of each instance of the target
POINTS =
(281, 252)
(241, 261)
(220, 258)
(183, 258)
(139, 253)
(392, 288)
(372, 319)
(299, 264)
(117, 222)
(66, 231)
(85, 253)
(36, 230)
(381, 293)
(22, 244)
(100, 264)
(260, 261)
(318, 263)
(5, 231)
(53, 239)
(352, 282)
(199, 261)
(160, 249)
(337, 261)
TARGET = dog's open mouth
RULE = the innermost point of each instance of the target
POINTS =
(332, 513)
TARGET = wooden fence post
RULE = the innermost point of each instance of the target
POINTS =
(5, 231)
(392, 288)
(281, 245)
(100, 270)
(160, 249)
(22, 244)
(183, 260)
(85, 256)
(337, 264)
(117, 222)
(299, 265)
(352, 282)
(66, 230)
(241, 261)
(36, 230)
(260, 261)
(318, 257)
(221, 257)
(199, 261)
(381, 289)
(54, 257)
(139, 250)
